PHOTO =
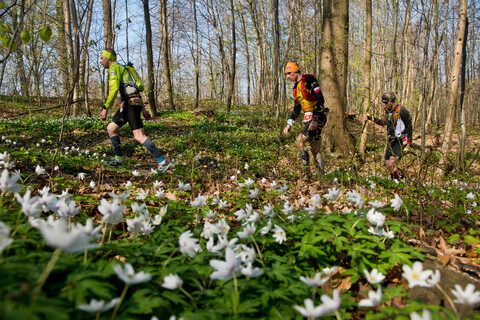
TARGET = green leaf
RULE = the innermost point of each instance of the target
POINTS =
(46, 34)
(25, 35)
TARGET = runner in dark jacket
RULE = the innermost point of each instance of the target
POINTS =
(399, 131)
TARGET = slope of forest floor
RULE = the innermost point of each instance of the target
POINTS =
(213, 149)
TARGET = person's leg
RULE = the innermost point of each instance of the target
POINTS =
(316, 147)
(392, 154)
(112, 130)
(303, 153)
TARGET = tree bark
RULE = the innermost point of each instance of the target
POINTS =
(108, 31)
(166, 54)
(152, 105)
(454, 83)
(334, 72)
(366, 74)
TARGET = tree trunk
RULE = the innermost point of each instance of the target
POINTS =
(108, 31)
(334, 72)
(166, 54)
(366, 73)
(231, 90)
(454, 83)
(152, 105)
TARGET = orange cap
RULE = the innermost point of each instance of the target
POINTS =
(292, 67)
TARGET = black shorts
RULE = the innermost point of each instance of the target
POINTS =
(315, 135)
(394, 148)
(130, 114)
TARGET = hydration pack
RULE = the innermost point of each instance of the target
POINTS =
(133, 73)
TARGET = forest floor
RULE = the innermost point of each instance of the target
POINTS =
(438, 221)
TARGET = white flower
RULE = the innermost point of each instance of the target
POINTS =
(183, 186)
(268, 211)
(329, 271)
(112, 212)
(279, 235)
(222, 204)
(316, 200)
(374, 298)
(470, 196)
(246, 166)
(31, 207)
(157, 184)
(397, 203)
(172, 282)
(66, 208)
(249, 182)
(376, 204)
(241, 214)
(415, 274)
(9, 183)
(5, 241)
(287, 208)
(160, 194)
(316, 281)
(189, 245)
(282, 189)
(129, 276)
(39, 170)
(142, 194)
(121, 196)
(248, 271)
(210, 214)
(267, 228)
(274, 184)
(209, 230)
(248, 230)
(253, 193)
(264, 180)
(245, 253)
(376, 218)
(92, 185)
(223, 226)
(434, 279)
(224, 270)
(198, 202)
(157, 220)
(135, 173)
(374, 277)
(98, 305)
(81, 175)
(329, 306)
(332, 194)
(468, 296)
(425, 315)
(310, 311)
(128, 184)
(56, 235)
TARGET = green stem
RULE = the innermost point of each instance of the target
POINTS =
(117, 306)
(337, 315)
(237, 298)
(450, 302)
(189, 296)
(103, 234)
(43, 278)
(258, 250)
(97, 316)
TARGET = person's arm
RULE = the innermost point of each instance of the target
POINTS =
(114, 85)
(407, 121)
(379, 121)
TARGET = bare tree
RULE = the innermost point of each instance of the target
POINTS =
(366, 73)
(454, 83)
(166, 54)
(334, 69)
(152, 106)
